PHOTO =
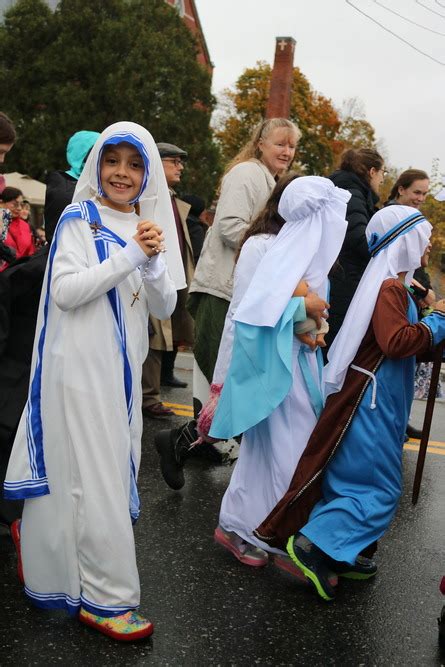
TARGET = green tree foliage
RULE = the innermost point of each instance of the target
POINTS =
(355, 131)
(25, 36)
(434, 211)
(95, 62)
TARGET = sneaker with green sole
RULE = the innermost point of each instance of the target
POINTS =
(313, 563)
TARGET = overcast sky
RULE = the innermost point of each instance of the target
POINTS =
(344, 55)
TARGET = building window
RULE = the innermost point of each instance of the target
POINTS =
(179, 4)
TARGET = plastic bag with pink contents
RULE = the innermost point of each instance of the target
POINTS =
(206, 415)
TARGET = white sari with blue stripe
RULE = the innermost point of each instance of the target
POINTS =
(271, 393)
(77, 450)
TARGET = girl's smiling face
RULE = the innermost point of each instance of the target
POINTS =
(121, 175)
(415, 194)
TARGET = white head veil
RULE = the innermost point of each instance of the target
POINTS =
(397, 238)
(154, 198)
(307, 246)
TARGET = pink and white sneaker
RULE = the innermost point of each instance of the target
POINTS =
(246, 553)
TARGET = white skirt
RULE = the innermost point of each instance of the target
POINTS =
(269, 454)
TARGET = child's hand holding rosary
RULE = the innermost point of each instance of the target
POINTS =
(150, 237)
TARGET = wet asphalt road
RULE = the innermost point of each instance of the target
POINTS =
(209, 609)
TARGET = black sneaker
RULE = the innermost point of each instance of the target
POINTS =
(364, 568)
(313, 563)
(173, 448)
(413, 432)
(173, 381)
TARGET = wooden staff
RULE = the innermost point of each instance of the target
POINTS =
(435, 374)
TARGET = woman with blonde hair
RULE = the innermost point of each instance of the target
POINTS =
(246, 186)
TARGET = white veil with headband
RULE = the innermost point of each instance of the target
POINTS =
(397, 237)
(154, 199)
(307, 246)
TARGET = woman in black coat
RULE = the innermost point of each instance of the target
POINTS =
(361, 172)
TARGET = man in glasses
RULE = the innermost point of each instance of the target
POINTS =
(166, 335)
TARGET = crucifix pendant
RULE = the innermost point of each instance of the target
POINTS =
(135, 298)
(94, 226)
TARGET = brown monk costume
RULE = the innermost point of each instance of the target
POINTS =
(293, 510)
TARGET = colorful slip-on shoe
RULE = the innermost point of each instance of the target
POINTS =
(286, 564)
(364, 568)
(245, 552)
(313, 563)
(15, 534)
(126, 627)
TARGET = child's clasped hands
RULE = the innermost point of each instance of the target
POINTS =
(150, 238)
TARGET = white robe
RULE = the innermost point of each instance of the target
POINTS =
(77, 542)
(270, 451)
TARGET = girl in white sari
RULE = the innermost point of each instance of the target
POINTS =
(76, 455)
(268, 378)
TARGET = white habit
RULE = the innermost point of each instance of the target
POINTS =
(77, 542)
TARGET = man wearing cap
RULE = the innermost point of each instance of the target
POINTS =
(166, 335)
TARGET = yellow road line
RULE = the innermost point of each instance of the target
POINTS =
(432, 443)
(434, 447)
(181, 406)
(430, 450)
(180, 409)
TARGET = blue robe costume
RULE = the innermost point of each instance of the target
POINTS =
(346, 488)
(363, 483)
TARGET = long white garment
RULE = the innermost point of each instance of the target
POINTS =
(307, 245)
(77, 542)
(269, 451)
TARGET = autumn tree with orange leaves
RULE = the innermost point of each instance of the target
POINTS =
(325, 132)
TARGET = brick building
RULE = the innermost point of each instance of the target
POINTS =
(187, 10)
(278, 104)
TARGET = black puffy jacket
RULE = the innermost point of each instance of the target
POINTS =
(354, 255)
